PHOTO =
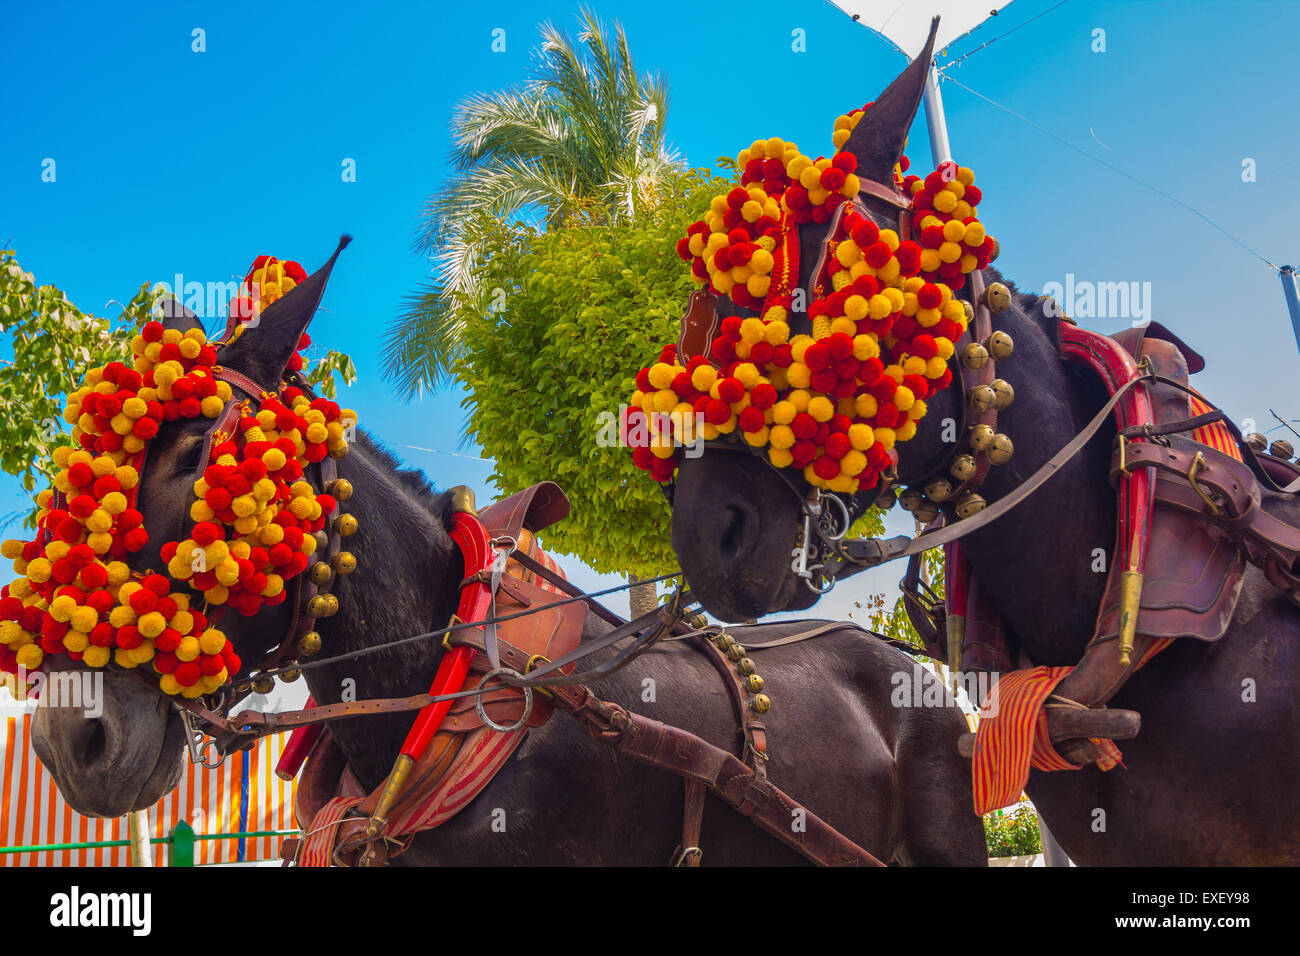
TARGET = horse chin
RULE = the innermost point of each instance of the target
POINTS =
(125, 758)
(734, 525)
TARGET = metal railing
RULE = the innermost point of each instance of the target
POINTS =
(180, 844)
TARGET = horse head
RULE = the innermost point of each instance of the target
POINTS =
(129, 756)
(736, 519)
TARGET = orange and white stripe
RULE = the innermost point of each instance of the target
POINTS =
(32, 813)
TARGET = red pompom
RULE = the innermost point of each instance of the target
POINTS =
(762, 396)
(751, 419)
(826, 467)
(187, 674)
(717, 412)
(135, 539)
(730, 390)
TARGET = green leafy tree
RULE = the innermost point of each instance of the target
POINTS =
(551, 345)
(583, 141)
(53, 344)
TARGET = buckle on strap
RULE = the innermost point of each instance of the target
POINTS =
(1198, 465)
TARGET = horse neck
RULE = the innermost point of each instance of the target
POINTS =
(404, 584)
(1043, 563)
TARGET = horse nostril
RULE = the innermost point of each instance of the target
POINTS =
(729, 541)
(94, 741)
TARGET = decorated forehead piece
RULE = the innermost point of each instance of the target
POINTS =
(884, 318)
(255, 516)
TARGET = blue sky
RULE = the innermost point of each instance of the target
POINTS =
(171, 161)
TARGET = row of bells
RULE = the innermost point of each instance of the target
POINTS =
(1279, 449)
(753, 682)
(322, 574)
(996, 447)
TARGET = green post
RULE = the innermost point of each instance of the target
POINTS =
(182, 845)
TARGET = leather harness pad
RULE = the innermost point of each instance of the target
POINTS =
(1194, 569)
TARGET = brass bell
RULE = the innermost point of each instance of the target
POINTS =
(1256, 441)
(345, 525)
(264, 685)
(1003, 392)
(698, 621)
(290, 676)
(939, 490)
(754, 683)
(969, 310)
(745, 666)
(962, 467)
(1281, 449)
(345, 562)
(1000, 346)
(974, 356)
(969, 504)
(981, 437)
(321, 574)
(736, 652)
(997, 250)
(761, 703)
(309, 644)
(340, 452)
(1000, 452)
(886, 501)
(323, 605)
(341, 489)
(927, 512)
(322, 540)
(909, 499)
(724, 641)
(997, 297)
(983, 398)
(462, 500)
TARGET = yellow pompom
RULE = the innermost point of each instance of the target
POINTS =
(905, 431)
(152, 624)
(798, 375)
(96, 656)
(854, 462)
(821, 409)
(777, 332)
(781, 436)
(885, 437)
(865, 347)
(61, 608)
(866, 406)
(168, 685)
(199, 511)
(211, 641)
(121, 616)
(30, 656)
(780, 457)
(84, 619)
(748, 374)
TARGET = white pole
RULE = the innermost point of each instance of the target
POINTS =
(935, 121)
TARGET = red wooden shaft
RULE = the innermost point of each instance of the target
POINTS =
(297, 747)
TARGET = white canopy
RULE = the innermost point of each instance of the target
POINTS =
(906, 23)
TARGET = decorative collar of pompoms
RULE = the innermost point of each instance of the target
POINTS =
(254, 514)
(884, 314)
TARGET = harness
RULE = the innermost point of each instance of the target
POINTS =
(513, 643)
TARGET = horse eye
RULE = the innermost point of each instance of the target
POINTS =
(190, 459)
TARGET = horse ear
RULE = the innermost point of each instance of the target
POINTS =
(877, 141)
(263, 350)
(176, 316)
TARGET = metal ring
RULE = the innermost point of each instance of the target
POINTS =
(844, 510)
(482, 712)
(830, 582)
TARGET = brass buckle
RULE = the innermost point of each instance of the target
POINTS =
(446, 638)
(1198, 463)
(533, 662)
(1123, 459)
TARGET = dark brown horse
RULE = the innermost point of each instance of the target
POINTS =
(890, 779)
(1213, 776)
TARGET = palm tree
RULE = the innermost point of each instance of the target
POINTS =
(584, 138)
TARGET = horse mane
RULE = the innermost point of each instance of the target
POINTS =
(413, 482)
